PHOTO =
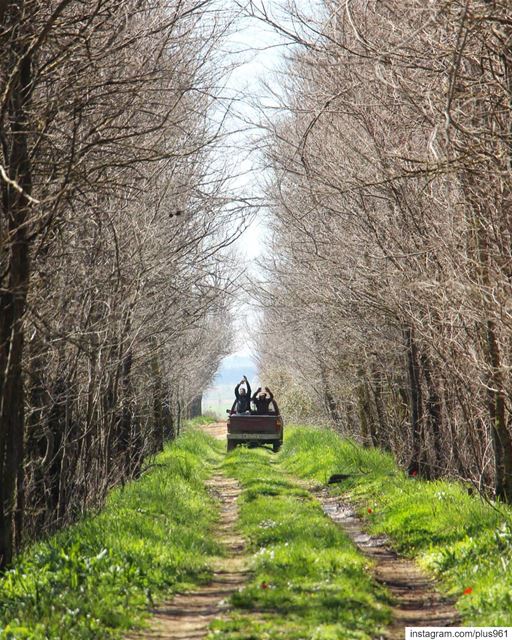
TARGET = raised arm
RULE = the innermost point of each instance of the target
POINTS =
(276, 408)
(248, 387)
(256, 394)
(270, 394)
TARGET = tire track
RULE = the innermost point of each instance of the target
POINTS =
(415, 599)
(188, 615)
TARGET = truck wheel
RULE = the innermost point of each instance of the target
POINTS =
(231, 445)
(276, 446)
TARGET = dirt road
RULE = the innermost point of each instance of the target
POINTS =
(415, 599)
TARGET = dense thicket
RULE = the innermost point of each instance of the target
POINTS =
(113, 299)
(389, 301)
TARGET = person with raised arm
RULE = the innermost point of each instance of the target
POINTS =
(262, 402)
(242, 403)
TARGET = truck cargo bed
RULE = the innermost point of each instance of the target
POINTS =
(253, 424)
(254, 429)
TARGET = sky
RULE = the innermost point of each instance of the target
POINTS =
(256, 46)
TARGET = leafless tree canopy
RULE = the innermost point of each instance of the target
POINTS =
(387, 296)
(388, 301)
(114, 284)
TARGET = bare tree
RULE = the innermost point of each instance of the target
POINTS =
(113, 234)
(390, 203)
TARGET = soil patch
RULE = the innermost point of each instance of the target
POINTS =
(216, 429)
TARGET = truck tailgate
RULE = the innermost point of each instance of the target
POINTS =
(253, 424)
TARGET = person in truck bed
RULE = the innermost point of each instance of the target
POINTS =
(242, 403)
(262, 402)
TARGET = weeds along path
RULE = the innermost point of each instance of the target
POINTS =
(415, 600)
(188, 615)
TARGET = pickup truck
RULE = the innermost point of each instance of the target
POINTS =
(255, 430)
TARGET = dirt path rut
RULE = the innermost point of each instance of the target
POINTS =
(188, 615)
(416, 602)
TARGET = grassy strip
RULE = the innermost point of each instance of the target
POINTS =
(459, 537)
(199, 421)
(309, 581)
(96, 578)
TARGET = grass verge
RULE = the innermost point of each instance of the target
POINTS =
(462, 539)
(199, 421)
(308, 579)
(95, 579)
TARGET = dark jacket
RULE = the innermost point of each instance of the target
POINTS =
(263, 404)
(242, 403)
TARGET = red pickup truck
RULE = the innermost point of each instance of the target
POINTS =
(255, 429)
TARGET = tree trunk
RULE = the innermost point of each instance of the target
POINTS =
(167, 415)
(195, 408)
(435, 418)
(125, 423)
(383, 432)
(501, 440)
(158, 403)
(329, 399)
(365, 418)
(16, 205)
(417, 464)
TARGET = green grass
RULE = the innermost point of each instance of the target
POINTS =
(198, 421)
(308, 580)
(95, 579)
(461, 538)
